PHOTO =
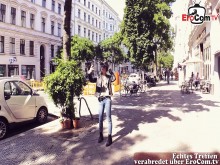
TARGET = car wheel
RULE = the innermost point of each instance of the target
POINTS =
(42, 115)
(3, 129)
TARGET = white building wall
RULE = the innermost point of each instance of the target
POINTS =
(46, 39)
(18, 32)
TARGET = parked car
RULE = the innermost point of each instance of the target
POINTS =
(133, 77)
(19, 103)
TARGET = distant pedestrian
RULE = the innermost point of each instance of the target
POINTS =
(171, 74)
(165, 74)
(168, 76)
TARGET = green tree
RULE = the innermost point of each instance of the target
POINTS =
(66, 30)
(165, 59)
(68, 79)
(64, 84)
(82, 49)
(111, 50)
(146, 28)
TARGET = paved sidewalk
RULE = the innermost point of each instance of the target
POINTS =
(161, 120)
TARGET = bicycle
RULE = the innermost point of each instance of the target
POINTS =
(142, 87)
(185, 87)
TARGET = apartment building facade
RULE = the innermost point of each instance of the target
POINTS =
(29, 36)
(31, 32)
(203, 45)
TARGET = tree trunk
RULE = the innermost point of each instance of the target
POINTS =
(66, 30)
(156, 61)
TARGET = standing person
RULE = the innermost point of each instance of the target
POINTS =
(171, 75)
(192, 76)
(165, 74)
(168, 75)
(197, 80)
(104, 93)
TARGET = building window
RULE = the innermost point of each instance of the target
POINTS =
(107, 26)
(110, 27)
(59, 8)
(2, 44)
(12, 45)
(79, 13)
(84, 32)
(92, 21)
(79, 30)
(96, 10)
(43, 25)
(33, 1)
(31, 48)
(32, 21)
(28, 71)
(99, 25)
(99, 12)
(96, 37)
(84, 2)
(104, 24)
(2, 13)
(13, 70)
(89, 5)
(59, 30)
(22, 46)
(93, 36)
(88, 18)
(99, 38)
(52, 27)
(23, 18)
(53, 5)
(44, 3)
(84, 16)
(103, 12)
(13, 16)
(89, 34)
(96, 23)
(52, 51)
(92, 7)
(2, 70)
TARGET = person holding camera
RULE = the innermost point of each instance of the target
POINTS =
(103, 93)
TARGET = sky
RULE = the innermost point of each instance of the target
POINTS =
(118, 6)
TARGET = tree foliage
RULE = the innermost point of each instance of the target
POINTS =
(145, 28)
(65, 83)
(166, 59)
(111, 50)
(82, 49)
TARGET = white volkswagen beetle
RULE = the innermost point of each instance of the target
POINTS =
(19, 103)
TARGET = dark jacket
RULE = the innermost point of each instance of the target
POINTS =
(111, 78)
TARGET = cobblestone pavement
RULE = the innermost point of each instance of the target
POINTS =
(161, 120)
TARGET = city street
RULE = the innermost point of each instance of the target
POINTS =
(160, 120)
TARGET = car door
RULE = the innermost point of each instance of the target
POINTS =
(21, 102)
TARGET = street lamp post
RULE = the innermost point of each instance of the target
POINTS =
(155, 59)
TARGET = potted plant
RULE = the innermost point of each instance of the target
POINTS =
(62, 86)
(76, 123)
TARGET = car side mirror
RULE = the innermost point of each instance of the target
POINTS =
(7, 95)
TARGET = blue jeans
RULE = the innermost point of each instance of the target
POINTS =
(105, 105)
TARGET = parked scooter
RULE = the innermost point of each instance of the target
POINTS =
(151, 80)
(133, 87)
